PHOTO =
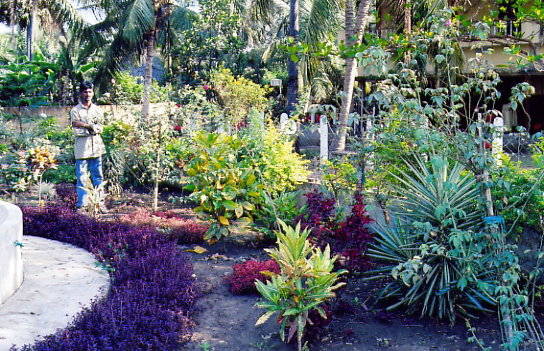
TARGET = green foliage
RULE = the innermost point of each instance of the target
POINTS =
(211, 39)
(126, 89)
(95, 197)
(519, 191)
(283, 206)
(195, 111)
(30, 146)
(222, 182)
(340, 177)
(445, 260)
(15, 172)
(237, 95)
(27, 83)
(306, 280)
(434, 243)
(22, 168)
(272, 153)
(64, 173)
(235, 178)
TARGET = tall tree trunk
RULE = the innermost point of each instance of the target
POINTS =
(292, 80)
(150, 49)
(407, 17)
(12, 23)
(30, 31)
(12, 17)
(407, 27)
(355, 25)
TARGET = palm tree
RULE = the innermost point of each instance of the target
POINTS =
(292, 77)
(354, 27)
(135, 25)
(314, 21)
(25, 13)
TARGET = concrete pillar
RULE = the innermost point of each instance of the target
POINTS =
(11, 257)
(323, 139)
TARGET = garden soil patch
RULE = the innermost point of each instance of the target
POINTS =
(225, 322)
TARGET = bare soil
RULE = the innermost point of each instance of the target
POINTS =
(225, 322)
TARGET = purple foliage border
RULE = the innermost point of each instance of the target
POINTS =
(152, 286)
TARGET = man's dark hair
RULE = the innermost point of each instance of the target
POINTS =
(86, 85)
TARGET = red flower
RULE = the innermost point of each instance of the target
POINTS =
(487, 145)
(178, 105)
(206, 87)
(178, 128)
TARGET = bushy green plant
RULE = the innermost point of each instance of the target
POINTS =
(519, 194)
(279, 167)
(96, 196)
(237, 95)
(64, 173)
(126, 89)
(27, 83)
(235, 178)
(118, 138)
(15, 171)
(283, 205)
(194, 110)
(222, 182)
(306, 280)
(433, 243)
(339, 177)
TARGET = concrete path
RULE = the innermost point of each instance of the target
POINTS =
(59, 281)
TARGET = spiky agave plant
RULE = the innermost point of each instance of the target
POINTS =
(432, 244)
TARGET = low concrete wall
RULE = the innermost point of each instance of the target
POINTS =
(11, 258)
(125, 113)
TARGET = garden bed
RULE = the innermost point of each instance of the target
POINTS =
(223, 321)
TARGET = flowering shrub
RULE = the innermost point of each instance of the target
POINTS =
(152, 291)
(184, 230)
(242, 279)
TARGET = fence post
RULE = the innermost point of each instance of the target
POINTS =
(323, 139)
(496, 145)
(283, 121)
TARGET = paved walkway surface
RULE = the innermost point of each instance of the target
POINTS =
(59, 281)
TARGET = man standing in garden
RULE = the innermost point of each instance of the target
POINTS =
(87, 119)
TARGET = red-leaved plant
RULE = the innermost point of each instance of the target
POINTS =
(186, 231)
(348, 238)
(242, 279)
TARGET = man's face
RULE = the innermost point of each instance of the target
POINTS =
(86, 95)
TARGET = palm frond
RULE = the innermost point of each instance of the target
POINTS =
(139, 19)
(320, 21)
(63, 11)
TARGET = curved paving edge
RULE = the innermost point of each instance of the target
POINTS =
(59, 281)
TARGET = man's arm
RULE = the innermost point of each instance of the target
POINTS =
(80, 124)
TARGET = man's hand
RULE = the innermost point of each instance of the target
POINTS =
(97, 128)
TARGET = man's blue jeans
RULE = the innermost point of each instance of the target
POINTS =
(84, 167)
